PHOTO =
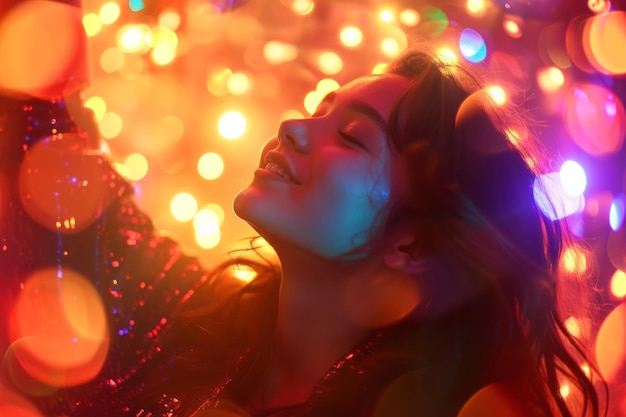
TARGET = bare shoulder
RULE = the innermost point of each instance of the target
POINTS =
(496, 400)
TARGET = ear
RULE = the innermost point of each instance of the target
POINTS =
(398, 255)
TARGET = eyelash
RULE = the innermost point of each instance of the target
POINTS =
(351, 139)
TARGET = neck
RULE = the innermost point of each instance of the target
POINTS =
(320, 319)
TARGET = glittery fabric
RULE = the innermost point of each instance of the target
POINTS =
(143, 280)
(141, 277)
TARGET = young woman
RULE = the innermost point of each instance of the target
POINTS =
(415, 274)
(415, 267)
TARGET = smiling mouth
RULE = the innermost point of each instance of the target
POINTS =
(276, 169)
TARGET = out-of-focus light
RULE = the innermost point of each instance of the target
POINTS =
(565, 390)
(497, 94)
(603, 41)
(238, 83)
(210, 166)
(206, 222)
(573, 178)
(183, 206)
(512, 25)
(217, 81)
(351, 36)
(136, 5)
(618, 284)
(550, 79)
(390, 47)
(59, 330)
(617, 212)
(14, 405)
(41, 47)
(386, 15)
(409, 17)
(244, 273)
(164, 43)
(109, 13)
(595, 118)
(302, 7)
(472, 46)
(97, 105)
(276, 52)
(611, 345)
(434, 21)
(312, 100)
(111, 60)
(137, 165)
(92, 24)
(169, 19)
(599, 6)
(573, 260)
(121, 168)
(330, 63)
(110, 125)
(208, 241)
(291, 115)
(380, 68)
(232, 125)
(326, 85)
(475, 7)
(217, 209)
(553, 200)
(132, 39)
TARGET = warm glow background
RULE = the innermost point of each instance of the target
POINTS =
(186, 92)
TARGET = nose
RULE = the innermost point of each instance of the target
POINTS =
(294, 133)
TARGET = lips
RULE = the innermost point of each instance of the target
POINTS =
(277, 164)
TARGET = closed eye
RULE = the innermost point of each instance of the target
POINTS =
(351, 140)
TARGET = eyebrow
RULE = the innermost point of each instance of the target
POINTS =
(363, 108)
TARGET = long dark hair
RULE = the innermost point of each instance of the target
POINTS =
(492, 256)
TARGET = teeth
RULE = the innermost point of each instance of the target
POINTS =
(271, 166)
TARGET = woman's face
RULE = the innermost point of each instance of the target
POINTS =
(323, 183)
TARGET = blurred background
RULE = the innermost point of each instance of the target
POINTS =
(186, 92)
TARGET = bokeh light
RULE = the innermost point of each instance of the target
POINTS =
(611, 345)
(136, 166)
(409, 17)
(109, 13)
(63, 186)
(351, 36)
(605, 42)
(183, 206)
(550, 79)
(617, 284)
(553, 199)
(472, 46)
(238, 83)
(330, 63)
(595, 118)
(573, 178)
(97, 105)
(59, 330)
(210, 166)
(38, 51)
(232, 125)
(617, 212)
(512, 25)
(92, 24)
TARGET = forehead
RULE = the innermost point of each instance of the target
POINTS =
(378, 91)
